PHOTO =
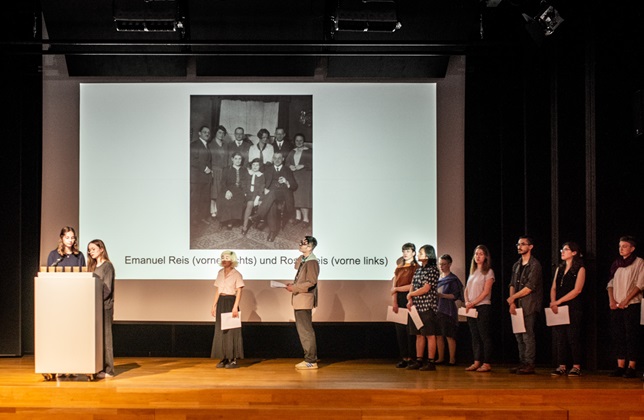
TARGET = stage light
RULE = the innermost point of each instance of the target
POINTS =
(549, 19)
(545, 21)
(366, 16)
(147, 16)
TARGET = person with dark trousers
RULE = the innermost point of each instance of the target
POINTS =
(277, 205)
(200, 177)
(304, 298)
(406, 266)
(625, 286)
(566, 288)
(478, 296)
(99, 263)
(526, 292)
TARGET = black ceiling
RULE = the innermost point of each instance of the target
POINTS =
(277, 38)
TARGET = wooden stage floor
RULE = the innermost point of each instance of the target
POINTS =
(192, 388)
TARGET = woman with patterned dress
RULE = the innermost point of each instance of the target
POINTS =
(423, 296)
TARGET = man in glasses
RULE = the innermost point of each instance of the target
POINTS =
(304, 299)
(526, 291)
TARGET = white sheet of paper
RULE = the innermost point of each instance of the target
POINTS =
(416, 317)
(518, 323)
(277, 284)
(562, 316)
(400, 317)
(472, 313)
(228, 322)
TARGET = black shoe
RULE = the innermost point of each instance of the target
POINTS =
(516, 368)
(232, 365)
(617, 373)
(271, 237)
(429, 366)
(244, 231)
(404, 363)
(574, 372)
(526, 370)
(222, 364)
(629, 373)
(415, 365)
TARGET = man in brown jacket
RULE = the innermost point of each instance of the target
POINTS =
(304, 299)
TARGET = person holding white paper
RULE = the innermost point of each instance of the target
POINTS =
(227, 345)
(624, 288)
(423, 296)
(304, 298)
(566, 289)
(478, 294)
(526, 292)
(406, 266)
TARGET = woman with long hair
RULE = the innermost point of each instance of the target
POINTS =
(478, 296)
(227, 345)
(406, 266)
(567, 286)
(423, 296)
(67, 253)
(99, 263)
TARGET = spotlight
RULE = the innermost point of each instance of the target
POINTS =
(549, 20)
(546, 20)
(366, 16)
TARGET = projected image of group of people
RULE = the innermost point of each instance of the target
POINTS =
(250, 187)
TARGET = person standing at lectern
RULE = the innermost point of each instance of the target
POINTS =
(99, 263)
(67, 253)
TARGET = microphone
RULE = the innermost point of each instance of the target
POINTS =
(57, 262)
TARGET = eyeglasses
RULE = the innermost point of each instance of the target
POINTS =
(564, 250)
(304, 242)
(522, 244)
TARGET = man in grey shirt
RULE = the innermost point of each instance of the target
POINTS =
(526, 292)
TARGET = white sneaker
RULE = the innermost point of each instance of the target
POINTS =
(306, 365)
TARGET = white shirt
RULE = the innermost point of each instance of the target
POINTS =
(627, 277)
(475, 285)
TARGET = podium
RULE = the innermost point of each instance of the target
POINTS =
(68, 323)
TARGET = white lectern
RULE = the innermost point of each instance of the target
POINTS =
(68, 323)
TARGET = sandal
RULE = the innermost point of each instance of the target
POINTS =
(484, 368)
(473, 367)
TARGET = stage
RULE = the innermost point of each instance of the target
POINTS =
(192, 388)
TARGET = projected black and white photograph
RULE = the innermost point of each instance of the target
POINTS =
(251, 171)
